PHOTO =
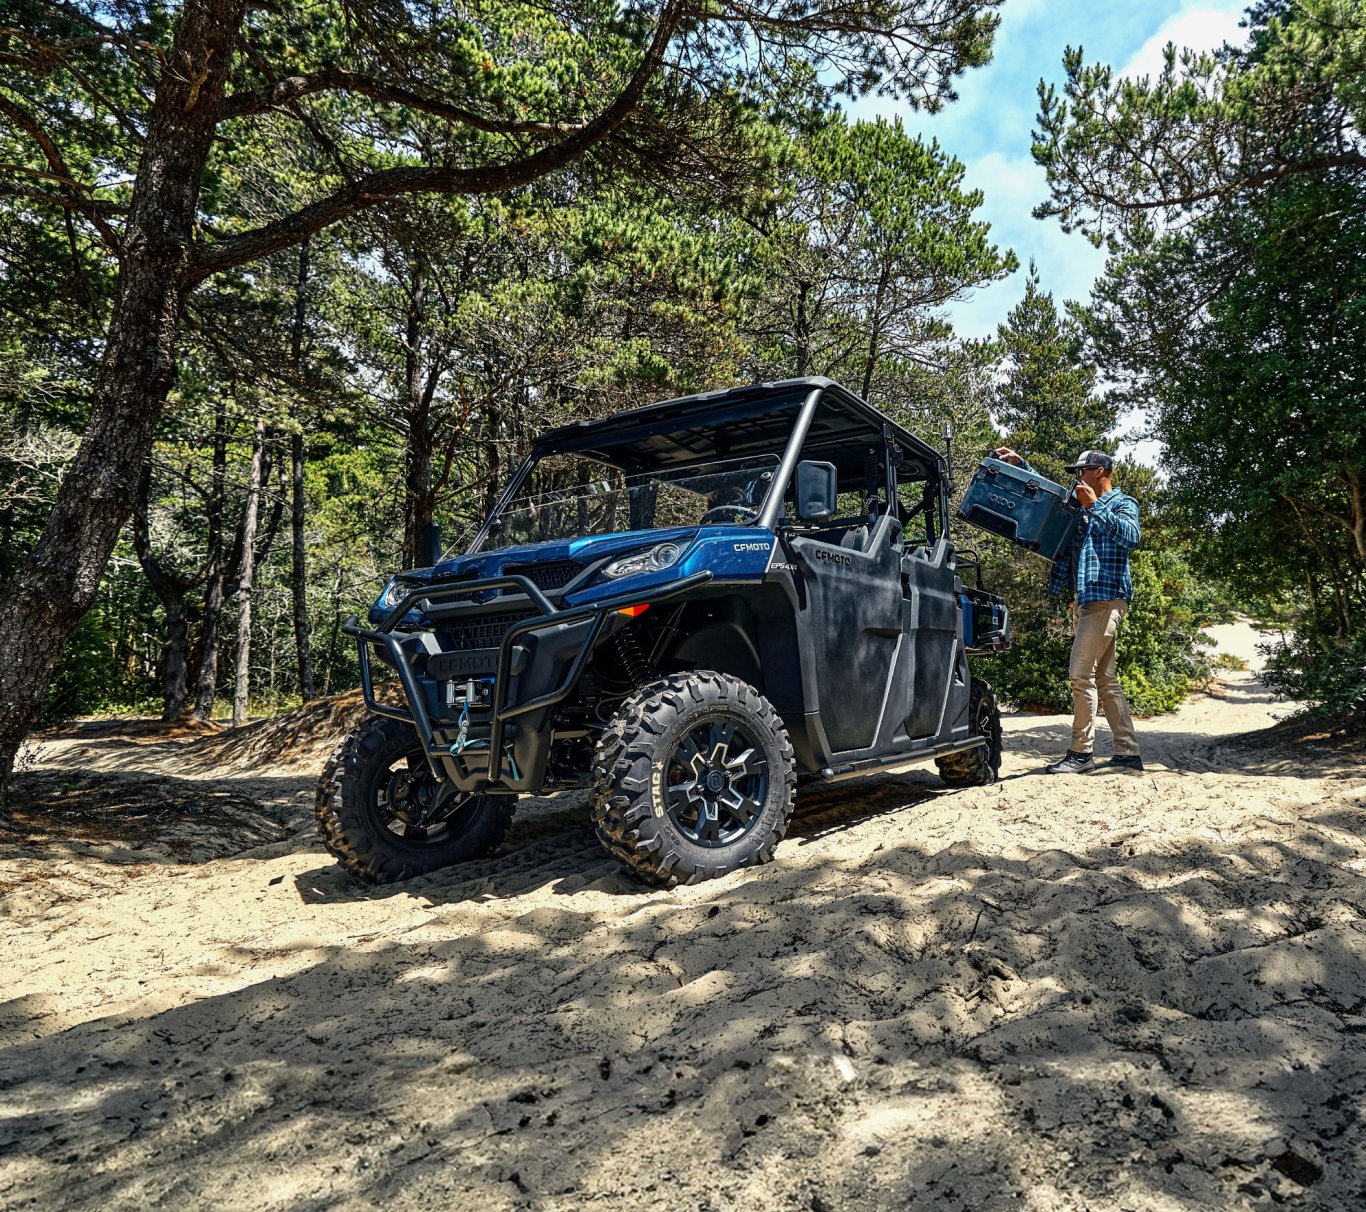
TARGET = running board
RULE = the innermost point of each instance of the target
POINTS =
(891, 763)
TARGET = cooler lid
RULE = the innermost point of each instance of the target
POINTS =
(1023, 477)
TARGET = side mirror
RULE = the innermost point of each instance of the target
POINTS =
(817, 487)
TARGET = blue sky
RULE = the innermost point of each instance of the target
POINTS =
(988, 128)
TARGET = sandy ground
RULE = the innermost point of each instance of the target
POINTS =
(1105, 992)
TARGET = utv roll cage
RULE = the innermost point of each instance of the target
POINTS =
(758, 419)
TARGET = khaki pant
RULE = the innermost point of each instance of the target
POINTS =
(1092, 671)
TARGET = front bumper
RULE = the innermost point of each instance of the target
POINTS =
(504, 745)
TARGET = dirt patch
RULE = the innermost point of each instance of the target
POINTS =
(139, 728)
(1311, 736)
(302, 737)
(111, 817)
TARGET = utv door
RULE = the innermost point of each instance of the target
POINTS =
(928, 581)
(852, 626)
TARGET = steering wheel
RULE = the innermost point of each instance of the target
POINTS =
(729, 513)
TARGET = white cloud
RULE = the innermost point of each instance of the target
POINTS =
(1200, 27)
(999, 175)
(1011, 187)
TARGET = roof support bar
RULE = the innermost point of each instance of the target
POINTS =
(774, 504)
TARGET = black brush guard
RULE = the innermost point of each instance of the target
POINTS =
(447, 760)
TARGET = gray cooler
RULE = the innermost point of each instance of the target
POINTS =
(1021, 506)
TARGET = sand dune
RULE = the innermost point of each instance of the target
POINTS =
(1116, 991)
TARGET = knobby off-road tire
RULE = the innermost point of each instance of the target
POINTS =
(977, 767)
(379, 815)
(653, 806)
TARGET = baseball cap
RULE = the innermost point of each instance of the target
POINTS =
(1092, 458)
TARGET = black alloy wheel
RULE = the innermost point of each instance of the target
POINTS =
(980, 766)
(716, 782)
(384, 816)
(413, 806)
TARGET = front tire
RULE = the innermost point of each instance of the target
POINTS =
(384, 816)
(981, 766)
(693, 778)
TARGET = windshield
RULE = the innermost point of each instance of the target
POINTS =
(568, 496)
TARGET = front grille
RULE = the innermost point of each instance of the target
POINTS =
(485, 630)
(546, 576)
(469, 575)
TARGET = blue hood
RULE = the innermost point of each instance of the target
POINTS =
(584, 550)
(731, 552)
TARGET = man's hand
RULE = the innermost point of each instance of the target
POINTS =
(1086, 495)
(1006, 455)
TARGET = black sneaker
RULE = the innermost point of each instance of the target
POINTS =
(1128, 761)
(1073, 763)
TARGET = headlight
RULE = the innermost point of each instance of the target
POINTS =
(394, 593)
(657, 558)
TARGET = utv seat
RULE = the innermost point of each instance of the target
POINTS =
(855, 539)
(860, 538)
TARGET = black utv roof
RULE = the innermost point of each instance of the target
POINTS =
(732, 424)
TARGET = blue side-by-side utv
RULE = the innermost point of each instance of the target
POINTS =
(689, 608)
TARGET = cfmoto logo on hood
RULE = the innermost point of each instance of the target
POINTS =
(752, 546)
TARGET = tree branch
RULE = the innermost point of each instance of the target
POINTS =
(376, 187)
(24, 121)
(1268, 176)
(309, 121)
(84, 206)
(291, 88)
(166, 580)
(50, 56)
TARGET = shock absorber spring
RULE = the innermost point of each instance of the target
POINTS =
(631, 657)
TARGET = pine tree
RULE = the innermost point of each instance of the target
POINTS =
(1047, 403)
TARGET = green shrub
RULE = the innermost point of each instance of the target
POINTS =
(87, 675)
(1159, 656)
(1032, 676)
(1326, 674)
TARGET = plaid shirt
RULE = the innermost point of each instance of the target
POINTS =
(1096, 566)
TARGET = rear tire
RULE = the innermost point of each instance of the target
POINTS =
(981, 766)
(384, 816)
(693, 778)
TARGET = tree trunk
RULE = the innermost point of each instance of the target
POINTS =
(493, 460)
(1356, 491)
(298, 579)
(242, 685)
(802, 330)
(334, 643)
(206, 685)
(55, 586)
(170, 587)
(875, 333)
(419, 389)
(222, 579)
(298, 583)
(175, 688)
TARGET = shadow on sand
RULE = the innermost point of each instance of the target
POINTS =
(971, 1029)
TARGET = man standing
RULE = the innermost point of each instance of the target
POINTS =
(1096, 569)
